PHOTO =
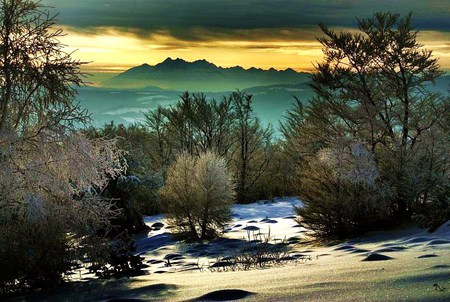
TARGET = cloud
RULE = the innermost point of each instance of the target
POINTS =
(193, 20)
(263, 33)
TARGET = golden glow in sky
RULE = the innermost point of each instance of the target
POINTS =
(111, 50)
(118, 34)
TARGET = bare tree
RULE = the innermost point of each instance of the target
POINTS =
(194, 125)
(252, 151)
(38, 77)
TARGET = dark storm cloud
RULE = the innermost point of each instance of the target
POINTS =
(193, 20)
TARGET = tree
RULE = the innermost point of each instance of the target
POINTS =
(194, 125)
(252, 151)
(135, 192)
(373, 87)
(38, 77)
(228, 128)
(198, 195)
(341, 193)
(50, 173)
(156, 125)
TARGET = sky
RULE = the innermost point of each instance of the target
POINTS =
(115, 35)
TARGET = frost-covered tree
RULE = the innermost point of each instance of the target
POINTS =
(342, 194)
(50, 174)
(136, 191)
(198, 195)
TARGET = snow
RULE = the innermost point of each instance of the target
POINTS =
(273, 218)
(279, 208)
(414, 261)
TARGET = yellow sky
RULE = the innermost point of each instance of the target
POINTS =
(111, 50)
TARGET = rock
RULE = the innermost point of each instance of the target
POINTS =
(377, 257)
(271, 221)
(441, 266)
(158, 225)
(173, 256)
(225, 295)
(222, 264)
(427, 256)
(439, 242)
(251, 228)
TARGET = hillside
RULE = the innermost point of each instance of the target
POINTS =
(125, 106)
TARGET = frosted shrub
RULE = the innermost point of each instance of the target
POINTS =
(198, 195)
(353, 163)
(342, 194)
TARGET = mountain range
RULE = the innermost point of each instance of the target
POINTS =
(125, 97)
(201, 75)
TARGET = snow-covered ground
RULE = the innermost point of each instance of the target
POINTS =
(405, 264)
(277, 220)
(273, 218)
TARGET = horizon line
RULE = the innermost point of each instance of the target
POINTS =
(113, 68)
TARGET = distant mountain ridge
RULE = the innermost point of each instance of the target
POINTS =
(201, 75)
